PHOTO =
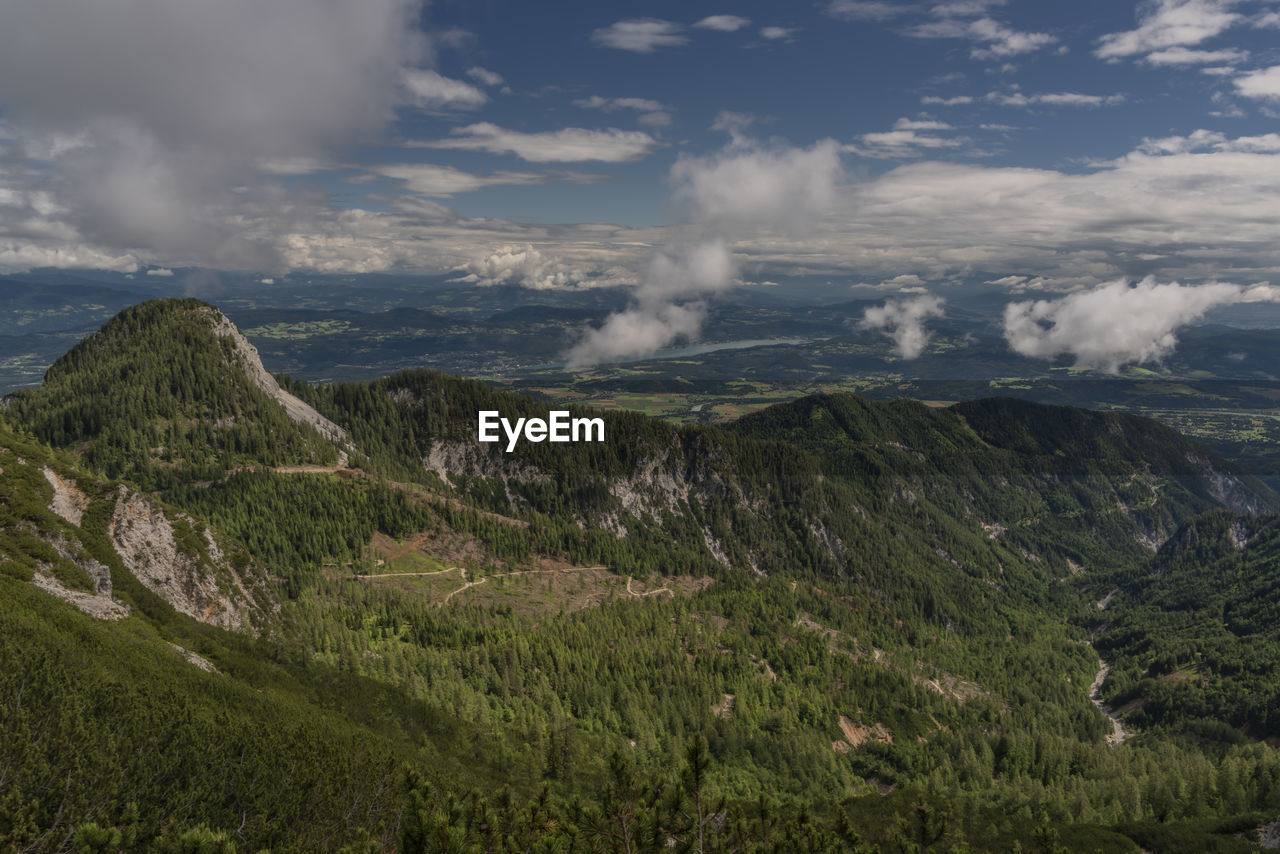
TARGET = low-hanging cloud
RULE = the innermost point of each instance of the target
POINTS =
(903, 321)
(738, 192)
(1119, 323)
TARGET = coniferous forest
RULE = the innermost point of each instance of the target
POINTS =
(833, 625)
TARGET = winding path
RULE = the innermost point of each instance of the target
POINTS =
(1118, 735)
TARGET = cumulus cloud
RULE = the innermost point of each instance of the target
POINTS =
(640, 35)
(560, 146)
(168, 107)
(530, 268)
(1193, 211)
(160, 271)
(903, 321)
(661, 311)
(745, 187)
(738, 192)
(724, 23)
(1264, 83)
(432, 91)
(1168, 24)
(1118, 323)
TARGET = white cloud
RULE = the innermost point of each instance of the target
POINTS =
(1168, 24)
(668, 305)
(905, 123)
(746, 187)
(431, 91)
(909, 138)
(640, 35)
(485, 76)
(732, 123)
(293, 165)
(723, 23)
(560, 146)
(1187, 56)
(1205, 140)
(1264, 83)
(444, 181)
(609, 105)
(741, 190)
(947, 102)
(901, 144)
(160, 271)
(865, 10)
(530, 268)
(637, 331)
(903, 321)
(172, 106)
(995, 40)
(1052, 99)
(778, 33)
(1118, 323)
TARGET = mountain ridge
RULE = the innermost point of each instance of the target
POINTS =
(829, 568)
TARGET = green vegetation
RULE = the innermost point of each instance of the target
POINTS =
(875, 634)
(157, 397)
(1195, 637)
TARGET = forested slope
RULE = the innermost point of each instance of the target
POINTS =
(837, 625)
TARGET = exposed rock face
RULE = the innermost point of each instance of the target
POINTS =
(449, 459)
(195, 660)
(69, 501)
(198, 585)
(300, 412)
(1227, 488)
(98, 604)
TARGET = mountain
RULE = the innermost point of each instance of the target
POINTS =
(1195, 636)
(169, 391)
(835, 625)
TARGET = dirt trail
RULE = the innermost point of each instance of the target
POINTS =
(662, 589)
(1118, 735)
(469, 584)
(412, 574)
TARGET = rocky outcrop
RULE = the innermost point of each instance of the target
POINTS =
(297, 410)
(69, 501)
(98, 604)
(1227, 489)
(200, 584)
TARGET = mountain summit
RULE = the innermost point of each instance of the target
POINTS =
(169, 391)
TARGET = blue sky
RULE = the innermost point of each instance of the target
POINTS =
(1046, 147)
(1031, 88)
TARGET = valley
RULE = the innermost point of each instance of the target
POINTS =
(895, 598)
